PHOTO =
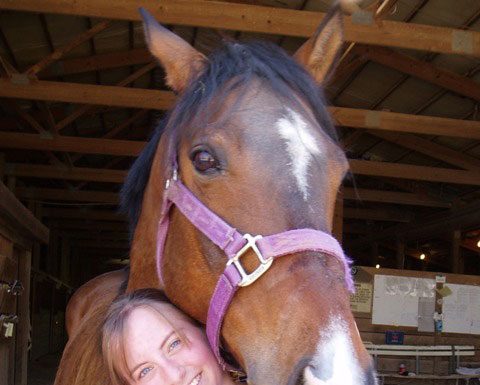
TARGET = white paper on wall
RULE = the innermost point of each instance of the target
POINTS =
(461, 309)
(395, 299)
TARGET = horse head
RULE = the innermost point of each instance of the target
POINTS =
(251, 138)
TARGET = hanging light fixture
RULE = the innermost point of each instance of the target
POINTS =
(377, 266)
(423, 256)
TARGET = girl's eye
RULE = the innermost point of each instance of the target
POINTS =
(203, 161)
(175, 344)
(144, 372)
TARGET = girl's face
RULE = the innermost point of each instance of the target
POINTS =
(156, 355)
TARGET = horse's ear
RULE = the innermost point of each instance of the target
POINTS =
(319, 54)
(181, 62)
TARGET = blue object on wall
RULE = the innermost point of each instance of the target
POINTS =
(394, 337)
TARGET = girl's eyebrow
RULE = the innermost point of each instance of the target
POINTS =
(161, 347)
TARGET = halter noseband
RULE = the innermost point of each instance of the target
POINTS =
(235, 245)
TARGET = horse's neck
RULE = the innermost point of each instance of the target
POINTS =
(143, 267)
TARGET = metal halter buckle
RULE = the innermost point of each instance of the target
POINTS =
(248, 279)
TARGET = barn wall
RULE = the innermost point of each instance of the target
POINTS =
(376, 333)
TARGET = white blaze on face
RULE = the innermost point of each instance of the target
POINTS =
(334, 359)
(301, 147)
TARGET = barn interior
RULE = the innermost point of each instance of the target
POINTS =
(80, 95)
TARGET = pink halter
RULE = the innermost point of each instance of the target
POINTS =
(235, 245)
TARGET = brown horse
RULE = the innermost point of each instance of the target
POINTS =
(255, 144)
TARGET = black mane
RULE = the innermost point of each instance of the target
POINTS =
(230, 68)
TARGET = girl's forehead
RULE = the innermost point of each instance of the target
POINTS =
(162, 315)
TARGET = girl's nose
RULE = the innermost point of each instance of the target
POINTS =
(173, 373)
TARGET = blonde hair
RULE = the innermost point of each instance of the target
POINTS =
(113, 330)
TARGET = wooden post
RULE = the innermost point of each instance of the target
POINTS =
(337, 226)
(374, 252)
(23, 312)
(400, 254)
(2, 166)
(52, 257)
(65, 260)
(456, 262)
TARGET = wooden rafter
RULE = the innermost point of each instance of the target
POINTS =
(431, 149)
(421, 69)
(385, 215)
(82, 110)
(436, 224)
(407, 171)
(66, 173)
(60, 52)
(163, 100)
(402, 198)
(88, 94)
(71, 144)
(98, 62)
(66, 195)
(361, 167)
(366, 195)
(250, 18)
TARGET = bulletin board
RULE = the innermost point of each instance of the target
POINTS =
(397, 300)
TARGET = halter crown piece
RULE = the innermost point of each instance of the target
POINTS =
(235, 245)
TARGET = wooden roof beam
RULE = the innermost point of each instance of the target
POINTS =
(88, 94)
(97, 215)
(73, 173)
(362, 167)
(71, 144)
(432, 149)
(349, 193)
(97, 62)
(163, 100)
(423, 70)
(407, 171)
(395, 197)
(64, 195)
(261, 19)
(464, 218)
(385, 215)
(63, 50)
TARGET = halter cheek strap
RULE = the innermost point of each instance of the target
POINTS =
(235, 245)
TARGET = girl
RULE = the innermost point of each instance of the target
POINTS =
(146, 340)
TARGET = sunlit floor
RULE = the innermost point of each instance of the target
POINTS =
(42, 370)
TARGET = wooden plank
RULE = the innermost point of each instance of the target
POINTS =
(71, 144)
(20, 217)
(422, 70)
(362, 167)
(432, 149)
(252, 18)
(163, 100)
(100, 215)
(406, 171)
(97, 62)
(73, 173)
(88, 94)
(369, 195)
(61, 51)
(377, 214)
(67, 195)
(366, 195)
(394, 121)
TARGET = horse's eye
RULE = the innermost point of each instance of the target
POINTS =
(204, 161)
